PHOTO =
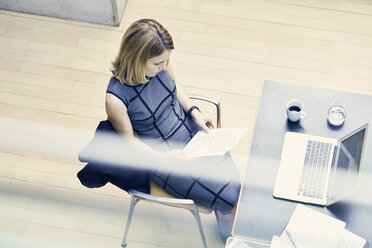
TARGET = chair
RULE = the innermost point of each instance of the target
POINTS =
(158, 195)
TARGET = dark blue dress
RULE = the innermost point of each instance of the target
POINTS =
(158, 119)
(155, 112)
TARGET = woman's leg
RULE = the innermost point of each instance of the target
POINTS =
(225, 222)
(212, 182)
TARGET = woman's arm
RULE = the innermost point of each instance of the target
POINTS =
(186, 104)
(118, 116)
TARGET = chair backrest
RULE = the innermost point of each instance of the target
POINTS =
(216, 113)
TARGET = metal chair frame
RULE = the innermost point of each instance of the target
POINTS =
(188, 204)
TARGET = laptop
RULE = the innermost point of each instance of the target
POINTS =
(320, 170)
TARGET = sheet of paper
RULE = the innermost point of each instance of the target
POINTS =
(278, 242)
(310, 228)
(236, 243)
(350, 240)
(216, 142)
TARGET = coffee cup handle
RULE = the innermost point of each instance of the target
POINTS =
(303, 115)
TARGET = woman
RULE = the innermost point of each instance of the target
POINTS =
(144, 100)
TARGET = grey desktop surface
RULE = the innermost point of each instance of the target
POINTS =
(260, 215)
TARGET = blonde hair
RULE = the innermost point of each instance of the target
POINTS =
(144, 39)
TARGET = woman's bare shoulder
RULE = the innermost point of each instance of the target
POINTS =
(113, 101)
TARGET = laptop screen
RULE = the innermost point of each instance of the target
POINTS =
(349, 162)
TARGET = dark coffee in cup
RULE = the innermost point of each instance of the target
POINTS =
(294, 108)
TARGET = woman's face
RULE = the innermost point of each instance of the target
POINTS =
(157, 64)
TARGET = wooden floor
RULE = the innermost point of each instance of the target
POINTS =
(53, 76)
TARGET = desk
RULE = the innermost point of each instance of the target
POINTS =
(259, 215)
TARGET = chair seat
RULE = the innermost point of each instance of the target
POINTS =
(156, 190)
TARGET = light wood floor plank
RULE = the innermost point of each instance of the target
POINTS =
(65, 73)
(11, 65)
(56, 95)
(42, 36)
(260, 15)
(227, 16)
(24, 113)
(69, 51)
(37, 24)
(49, 105)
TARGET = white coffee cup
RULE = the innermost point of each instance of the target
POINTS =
(295, 110)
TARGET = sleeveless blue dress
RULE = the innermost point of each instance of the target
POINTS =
(159, 120)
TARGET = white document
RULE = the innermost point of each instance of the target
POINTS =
(278, 242)
(311, 229)
(351, 240)
(215, 143)
(236, 243)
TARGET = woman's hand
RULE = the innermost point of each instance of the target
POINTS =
(207, 124)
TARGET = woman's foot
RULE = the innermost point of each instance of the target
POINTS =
(225, 224)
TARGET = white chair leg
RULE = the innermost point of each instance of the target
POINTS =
(133, 202)
(195, 212)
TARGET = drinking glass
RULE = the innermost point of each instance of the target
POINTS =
(337, 113)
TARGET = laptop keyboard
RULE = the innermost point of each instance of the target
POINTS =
(315, 168)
